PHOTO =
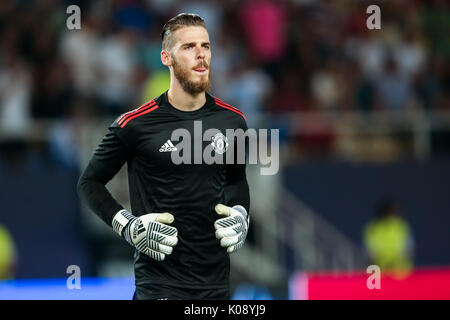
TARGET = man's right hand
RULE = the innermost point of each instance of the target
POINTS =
(149, 233)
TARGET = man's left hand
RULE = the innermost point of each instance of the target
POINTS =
(231, 230)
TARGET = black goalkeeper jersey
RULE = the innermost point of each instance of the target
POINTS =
(142, 139)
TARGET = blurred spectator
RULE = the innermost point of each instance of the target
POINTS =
(429, 85)
(15, 95)
(393, 88)
(310, 56)
(265, 25)
(249, 89)
(264, 22)
(409, 54)
(209, 10)
(149, 51)
(389, 240)
(288, 56)
(116, 60)
(369, 51)
(53, 90)
(329, 86)
(78, 49)
(226, 52)
(64, 135)
(8, 254)
(363, 95)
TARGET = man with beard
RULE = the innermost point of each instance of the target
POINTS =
(185, 218)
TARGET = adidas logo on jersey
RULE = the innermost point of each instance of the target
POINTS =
(168, 147)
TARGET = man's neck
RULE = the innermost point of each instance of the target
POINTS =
(182, 100)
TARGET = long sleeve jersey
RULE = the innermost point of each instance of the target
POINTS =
(143, 139)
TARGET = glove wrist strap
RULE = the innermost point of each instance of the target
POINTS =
(244, 213)
(121, 220)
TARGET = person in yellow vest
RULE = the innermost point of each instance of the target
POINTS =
(7, 254)
(389, 240)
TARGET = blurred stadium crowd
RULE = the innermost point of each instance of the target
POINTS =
(269, 58)
(310, 68)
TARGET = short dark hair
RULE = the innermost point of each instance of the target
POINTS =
(177, 22)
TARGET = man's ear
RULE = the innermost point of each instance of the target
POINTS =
(165, 58)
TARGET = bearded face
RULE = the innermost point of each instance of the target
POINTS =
(189, 80)
(189, 58)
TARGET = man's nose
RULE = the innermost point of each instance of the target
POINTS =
(200, 54)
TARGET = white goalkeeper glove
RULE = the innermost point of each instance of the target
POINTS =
(232, 230)
(149, 233)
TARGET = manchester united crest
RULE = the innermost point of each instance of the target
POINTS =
(219, 143)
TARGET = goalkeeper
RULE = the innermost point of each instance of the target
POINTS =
(185, 219)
